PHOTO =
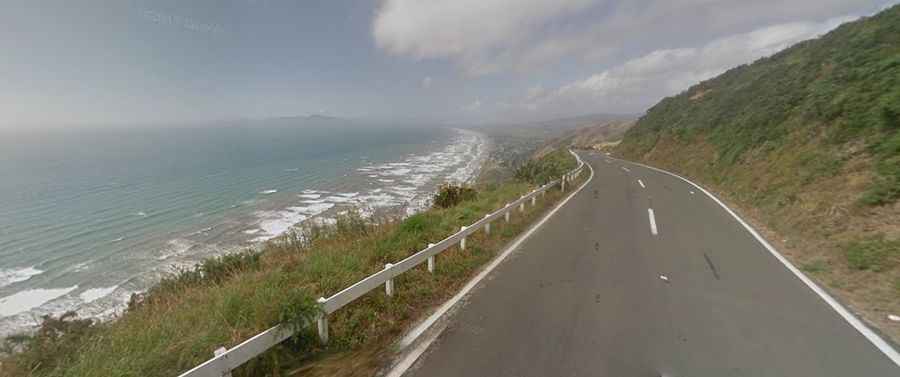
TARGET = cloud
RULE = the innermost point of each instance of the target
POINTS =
(638, 83)
(490, 36)
(426, 82)
(476, 32)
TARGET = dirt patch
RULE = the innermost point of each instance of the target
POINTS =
(700, 94)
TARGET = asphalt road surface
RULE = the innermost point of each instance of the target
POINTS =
(603, 290)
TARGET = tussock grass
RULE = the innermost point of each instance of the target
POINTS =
(179, 323)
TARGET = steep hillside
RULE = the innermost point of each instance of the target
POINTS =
(806, 143)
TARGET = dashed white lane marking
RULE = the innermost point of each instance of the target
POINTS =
(652, 221)
(625, 169)
(642, 183)
(858, 324)
(407, 360)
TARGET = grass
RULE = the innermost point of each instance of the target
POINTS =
(841, 88)
(224, 301)
(875, 254)
(814, 267)
(545, 169)
(806, 143)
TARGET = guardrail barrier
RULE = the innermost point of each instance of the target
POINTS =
(226, 360)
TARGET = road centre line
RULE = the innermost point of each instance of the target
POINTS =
(652, 216)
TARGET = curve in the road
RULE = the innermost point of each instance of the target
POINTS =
(596, 291)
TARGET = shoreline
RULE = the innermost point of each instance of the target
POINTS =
(104, 303)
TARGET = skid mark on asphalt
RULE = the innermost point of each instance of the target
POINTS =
(712, 266)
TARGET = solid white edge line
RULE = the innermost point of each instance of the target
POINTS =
(410, 357)
(652, 221)
(858, 324)
(642, 183)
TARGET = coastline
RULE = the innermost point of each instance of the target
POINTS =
(412, 179)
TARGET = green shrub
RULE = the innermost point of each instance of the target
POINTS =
(545, 169)
(351, 223)
(450, 195)
(298, 312)
(63, 335)
(875, 254)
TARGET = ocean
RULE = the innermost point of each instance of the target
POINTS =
(88, 218)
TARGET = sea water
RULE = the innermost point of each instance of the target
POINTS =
(89, 217)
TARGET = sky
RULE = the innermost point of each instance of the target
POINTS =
(126, 62)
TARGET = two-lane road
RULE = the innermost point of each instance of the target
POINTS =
(640, 274)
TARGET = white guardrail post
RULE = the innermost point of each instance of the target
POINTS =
(431, 260)
(227, 359)
(389, 284)
(322, 322)
(462, 242)
(223, 361)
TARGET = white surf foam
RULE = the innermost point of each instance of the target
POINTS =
(267, 192)
(174, 248)
(15, 275)
(94, 294)
(79, 267)
(30, 299)
(458, 162)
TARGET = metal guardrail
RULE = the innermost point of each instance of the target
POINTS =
(226, 360)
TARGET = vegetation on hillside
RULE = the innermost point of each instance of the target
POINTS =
(547, 168)
(597, 136)
(843, 88)
(450, 195)
(225, 300)
(807, 141)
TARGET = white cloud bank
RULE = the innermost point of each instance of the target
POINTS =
(477, 32)
(489, 36)
(638, 83)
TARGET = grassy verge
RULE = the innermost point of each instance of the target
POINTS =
(179, 323)
(811, 213)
